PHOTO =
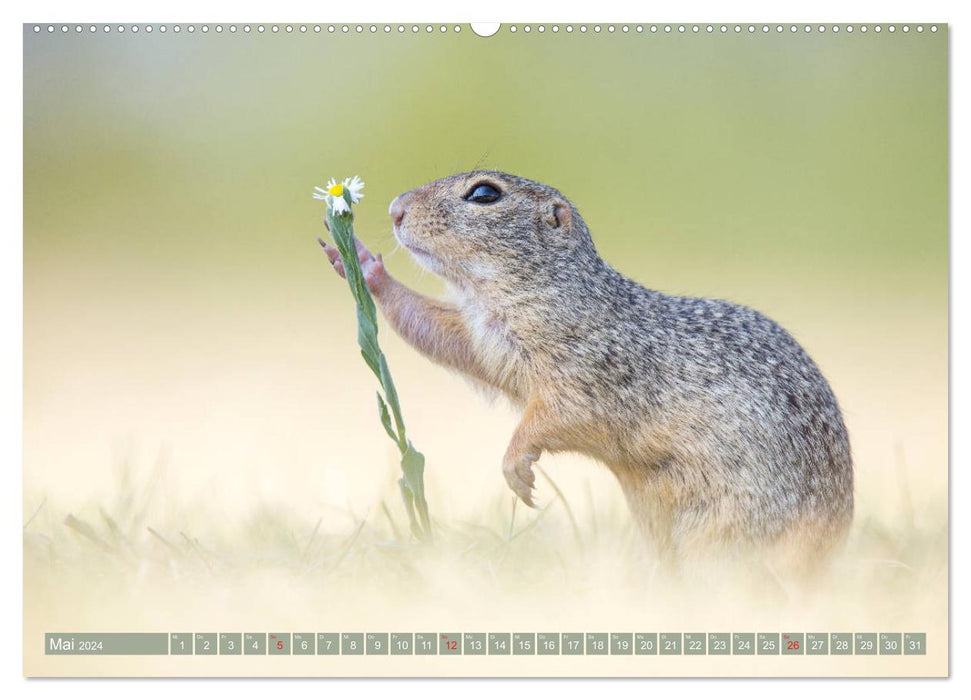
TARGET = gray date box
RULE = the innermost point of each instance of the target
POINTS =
(426, 643)
(669, 643)
(645, 643)
(180, 643)
(793, 643)
(230, 643)
(254, 643)
(450, 644)
(767, 643)
(352, 643)
(621, 643)
(841, 643)
(572, 643)
(865, 643)
(376, 643)
(474, 644)
(817, 643)
(328, 643)
(743, 643)
(548, 643)
(304, 643)
(402, 644)
(524, 643)
(278, 644)
(500, 643)
(915, 643)
(597, 643)
(206, 643)
(719, 643)
(695, 643)
(891, 643)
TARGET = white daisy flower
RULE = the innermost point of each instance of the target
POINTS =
(333, 193)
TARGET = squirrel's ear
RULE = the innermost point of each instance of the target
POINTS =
(559, 215)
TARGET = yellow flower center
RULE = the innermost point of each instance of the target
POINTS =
(336, 191)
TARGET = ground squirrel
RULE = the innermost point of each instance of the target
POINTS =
(719, 427)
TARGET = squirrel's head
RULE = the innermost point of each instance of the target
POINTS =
(487, 225)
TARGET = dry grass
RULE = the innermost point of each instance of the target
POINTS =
(540, 559)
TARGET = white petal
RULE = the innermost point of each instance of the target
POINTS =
(355, 186)
(339, 205)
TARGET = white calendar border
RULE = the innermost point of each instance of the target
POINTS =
(11, 303)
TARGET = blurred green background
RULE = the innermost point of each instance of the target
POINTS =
(760, 153)
(169, 229)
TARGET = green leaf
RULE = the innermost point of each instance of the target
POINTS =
(409, 500)
(385, 418)
(413, 467)
(392, 395)
(367, 339)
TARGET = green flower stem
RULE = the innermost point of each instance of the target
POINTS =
(412, 483)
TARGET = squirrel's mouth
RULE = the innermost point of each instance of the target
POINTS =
(424, 258)
(419, 253)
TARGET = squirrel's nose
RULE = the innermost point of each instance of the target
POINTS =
(397, 209)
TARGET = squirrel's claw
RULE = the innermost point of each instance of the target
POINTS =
(520, 477)
(333, 255)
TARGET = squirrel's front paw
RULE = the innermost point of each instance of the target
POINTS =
(375, 275)
(519, 475)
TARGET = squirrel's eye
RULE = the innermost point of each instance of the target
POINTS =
(483, 194)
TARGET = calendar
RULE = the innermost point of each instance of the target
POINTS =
(433, 338)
